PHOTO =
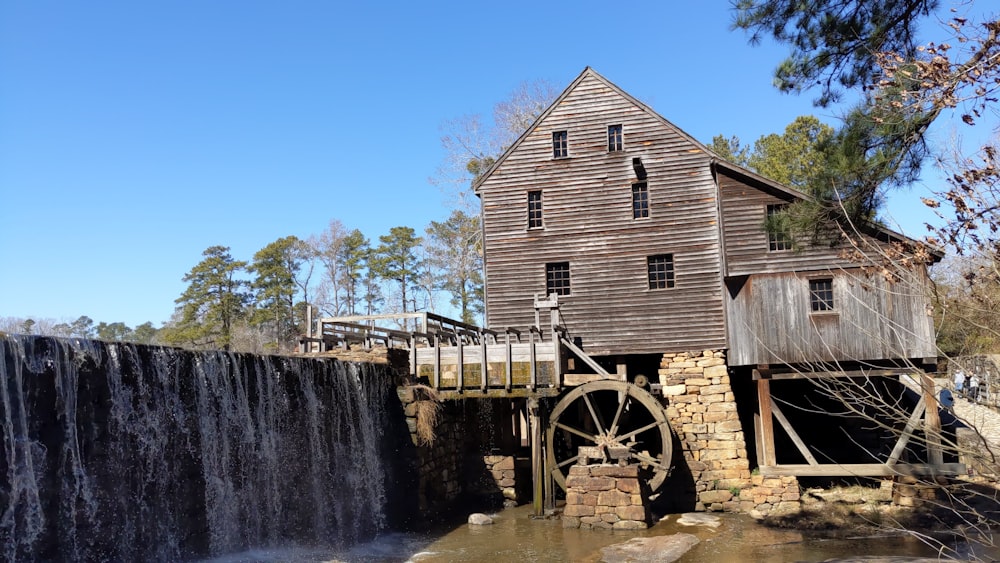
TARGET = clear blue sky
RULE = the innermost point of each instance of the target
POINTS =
(134, 135)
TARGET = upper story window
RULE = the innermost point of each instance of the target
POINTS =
(821, 295)
(557, 278)
(560, 144)
(661, 271)
(640, 200)
(535, 209)
(777, 236)
(614, 138)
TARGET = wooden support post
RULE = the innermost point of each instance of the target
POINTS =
(484, 366)
(766, 422)
(537, 464)
(437, 363)
(532, 362)
(414, 372)
(509, 369)
(932, 421)
(460, 368)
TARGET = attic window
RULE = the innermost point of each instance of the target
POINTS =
(821, 295)
(560, 146)
(614, 138)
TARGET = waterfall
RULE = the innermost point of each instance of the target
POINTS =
(114, 451)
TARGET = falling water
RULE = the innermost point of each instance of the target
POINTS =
(113, 451)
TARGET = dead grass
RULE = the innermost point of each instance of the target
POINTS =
(428, 409)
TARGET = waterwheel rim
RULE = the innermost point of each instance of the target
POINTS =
(635, 420)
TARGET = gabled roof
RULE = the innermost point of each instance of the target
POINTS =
(587, 72)
(717, 160)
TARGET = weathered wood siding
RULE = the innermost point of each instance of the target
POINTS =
(770, 319)
(744, 209)
(587, 221)
(771, 322)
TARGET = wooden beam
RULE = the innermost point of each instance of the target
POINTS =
(792, 433)
(932, 421)
(904, 438)
(583, 356)
(537, 464)
(766, 422)
(889, 372)
(574, 379)
(863, 470)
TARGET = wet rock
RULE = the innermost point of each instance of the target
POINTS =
(480, 519)
(699, 519)
(661, 549)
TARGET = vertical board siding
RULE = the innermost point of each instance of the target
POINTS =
(587, 221)
(770, 321)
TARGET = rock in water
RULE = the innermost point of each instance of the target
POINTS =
(479, 519)
(699, 519)
(661, 549)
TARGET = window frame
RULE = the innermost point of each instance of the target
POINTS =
(821, 298)
(616, 138)
(535, 217)
(560, 144)
(661, 272)
(557, 278)
(776, 241)
(640, 200)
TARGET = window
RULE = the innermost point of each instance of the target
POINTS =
(560, 147)
(614, 138)
(535, 210)
(557, 278)
(640, 200)
(821, 294)
(661, 271)
(777, 235)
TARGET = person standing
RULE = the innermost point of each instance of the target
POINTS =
(959, 382)
(974, 388)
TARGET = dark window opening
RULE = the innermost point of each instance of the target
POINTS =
(557, 278)
(640, 200)
(534, 209)
(777, 235)
(821, 295)
(661, 271)
(560, 146)
(614, 138)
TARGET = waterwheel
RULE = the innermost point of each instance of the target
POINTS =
(621, 421)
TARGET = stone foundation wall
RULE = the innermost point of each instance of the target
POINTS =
(501, 468)
(702, 410)
(438, 461)
(605, 496)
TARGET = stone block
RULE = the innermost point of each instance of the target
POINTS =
(630, 525)
(716, 371)
(789, 496)
(510, 494)
(578, 510)
(507, 483)
(683, 365)
(614, 498)
(506, 463)
(712, 497)
(697, 381)
(693, 371)
(590, 520)
(629, 486)
(709, 455)
(711, 362)
(674, 390)
(694, 428)
(579, 470)
(728, 426)
(722, 407)
(615, 471)
(713, 398)
(406, 394)
(635, 512)
(713, 389)
(570, 521)
(610, 517)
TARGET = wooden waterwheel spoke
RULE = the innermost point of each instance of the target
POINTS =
(579, 433)
(650, 460)
(618, 414)
(568, 461)
(635, 433)
(593, 414)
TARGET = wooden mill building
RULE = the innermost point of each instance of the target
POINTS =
(657, 251)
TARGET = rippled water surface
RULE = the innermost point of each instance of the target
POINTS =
(515, 536)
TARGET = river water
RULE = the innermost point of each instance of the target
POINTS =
(515, 536)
